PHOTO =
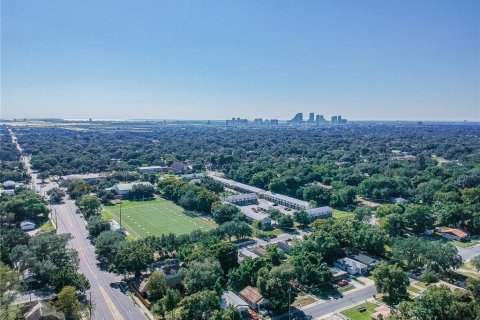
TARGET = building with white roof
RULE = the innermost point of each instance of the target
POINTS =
(319, 213)
(153, 169)
(351, 266)
(124, 188)
(256, 216)
(241, 187)
(229, 298)
(242, 199)
(286, 201)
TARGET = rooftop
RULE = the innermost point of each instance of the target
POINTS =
(251, 294)
(238, 185)
(240, 197)
(457, 232)
(129, 186)
(319, 210)
(287, 199)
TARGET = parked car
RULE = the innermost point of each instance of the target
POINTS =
(342, 283)
(272, 236)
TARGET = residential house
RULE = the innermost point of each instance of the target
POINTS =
(9, 185)
(178, 167)
(338, 274)
(253, 297)
(453, 234)
(284, 246)
(173, 274)
(369, 261)
(27, 225)
(351, 266)
(229, 298)
(42, 311)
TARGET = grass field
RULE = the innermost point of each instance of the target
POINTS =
(154, 217)
(342, 215)
(354, 314)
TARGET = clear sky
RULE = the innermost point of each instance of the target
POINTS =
(366, 60)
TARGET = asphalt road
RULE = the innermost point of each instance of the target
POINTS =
(468, 253)
(349, 299)
(109, 293)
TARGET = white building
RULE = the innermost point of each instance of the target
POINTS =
(27, 225)
(242, 199)
(124, 188)
(351, 266)
(153, 169)
(319, 213)
(256, 216)
(229, 298)
(286, 201)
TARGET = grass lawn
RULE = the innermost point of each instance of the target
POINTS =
(259, 232)
(324, 292)
(346, 288)
(413, 289)
(421, 284)
(154, 217)
(354, 314)
(303, 300)
(468, 244)
(47, 226)
(342, 215)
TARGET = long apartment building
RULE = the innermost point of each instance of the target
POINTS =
(277, 198)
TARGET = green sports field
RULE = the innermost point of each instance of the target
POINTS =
(154, 217)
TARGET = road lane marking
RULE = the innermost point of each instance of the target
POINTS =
(80, 249)
(111, 305)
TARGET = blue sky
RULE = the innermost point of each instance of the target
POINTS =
(366, 60)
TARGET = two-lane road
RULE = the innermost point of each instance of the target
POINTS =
(109, 293)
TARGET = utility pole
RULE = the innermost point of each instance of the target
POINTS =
(90, 306)
(289, 301)
(120, 216)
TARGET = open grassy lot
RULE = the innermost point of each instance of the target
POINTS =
(342, 215)
(355, 314)
(154, 217)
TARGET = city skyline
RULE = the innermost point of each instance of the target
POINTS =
(180, 60)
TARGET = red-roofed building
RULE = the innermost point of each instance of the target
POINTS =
(253, 297)
(453, 234)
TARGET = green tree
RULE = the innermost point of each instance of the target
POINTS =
(157, 285)
(55, 195)
(285, 222)
(68, 303)
(133, 257)
(9, 287)
(96, 225)
(67, 276)
(89, 205)
(168, 303)
(201, 275)
(301, 217)
(107, 245)
(476, 262)
(198, 306)
(226, 212)
(392, 280)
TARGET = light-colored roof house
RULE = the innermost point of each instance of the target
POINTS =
(9, 184)
(351, 266)
(43, 311)
(178, 167)
(27, 225)
(242, 199)
(229, 298)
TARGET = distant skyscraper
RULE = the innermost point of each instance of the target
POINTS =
(298, 118)
(258, 122)
(319, 119)
(274, 122)
(311, 117)
(334, 119)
